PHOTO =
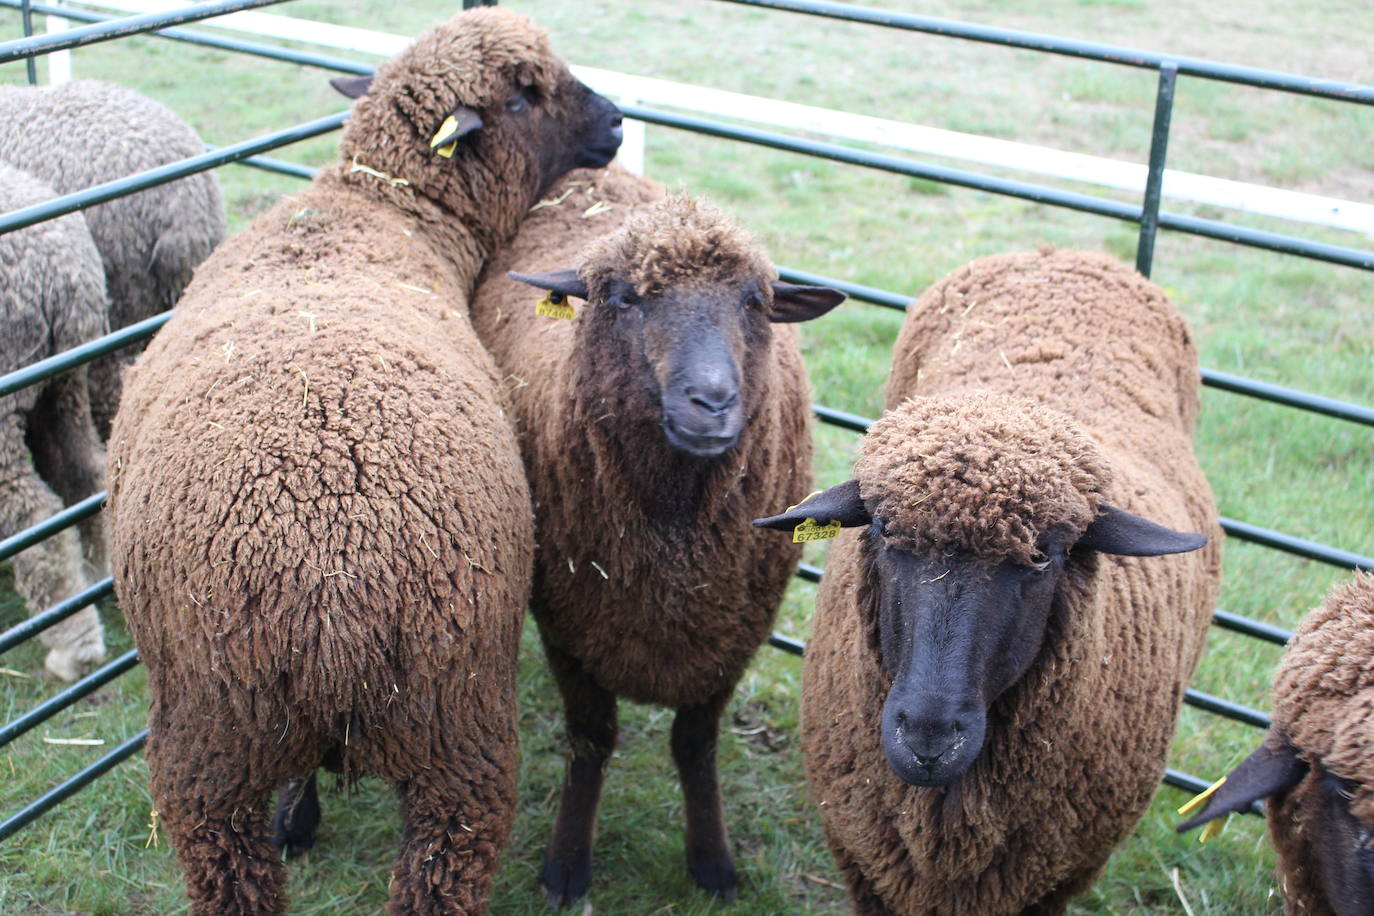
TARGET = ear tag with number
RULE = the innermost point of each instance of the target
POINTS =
(447, 129)
(811, 530)
(554, 305)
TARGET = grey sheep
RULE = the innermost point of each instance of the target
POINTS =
(998, 660)
(52, 297)
(87, 132)
(321, 533)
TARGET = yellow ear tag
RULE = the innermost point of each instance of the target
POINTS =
(811, 530)
(554, 305)
(446, 130)
(1214, 827)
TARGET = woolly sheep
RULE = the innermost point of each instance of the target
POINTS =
(86, 132)
(321, 531)
(654, 426)
(52, 297)
(992, 683)
(1316, 764)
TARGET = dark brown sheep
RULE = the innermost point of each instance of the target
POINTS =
(654, 427)
(52, 298)
(321, 530)
(993, 678)
(1316, 765)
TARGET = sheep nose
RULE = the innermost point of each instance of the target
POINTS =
(714, 401)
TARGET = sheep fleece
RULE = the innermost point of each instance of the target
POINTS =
(1076, 749)
(1324, 704)
(627, 577)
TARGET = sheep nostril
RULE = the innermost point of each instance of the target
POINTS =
(714, 403)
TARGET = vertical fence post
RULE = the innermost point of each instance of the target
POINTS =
(59, 62)
(26, 14)
(1154, 181)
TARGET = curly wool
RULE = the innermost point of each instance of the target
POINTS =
(988, 475)
(1324, 706)
(677, 240)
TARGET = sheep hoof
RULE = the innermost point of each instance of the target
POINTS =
(563, 884)
(297, 817)
(716, 875)
(71, 663)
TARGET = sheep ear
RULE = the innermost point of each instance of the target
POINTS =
(462, 122)
(802, 303)
(841, 503)
(563, 282)
(355, 87)
(1118, 532)
(1274, 767)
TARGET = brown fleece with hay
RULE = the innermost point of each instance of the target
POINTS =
(322, 533)
(1040, 386)
(1324, 706)
(679, 564)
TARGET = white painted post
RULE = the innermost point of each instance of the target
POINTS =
(59, 62)
(631, 155)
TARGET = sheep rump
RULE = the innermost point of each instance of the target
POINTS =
(1010, 345)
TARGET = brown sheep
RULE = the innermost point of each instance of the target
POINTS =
(653, 427)
(86, 132)
(52, 298)
(321, 530)
(991, 687)
(1316, 765)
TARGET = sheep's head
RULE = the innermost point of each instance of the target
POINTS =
(1323, 734)
(478, 108)
(683, 300)
(976, 508)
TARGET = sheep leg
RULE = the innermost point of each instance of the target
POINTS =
(297, 817)
(457, 808)
(590, 713)
(695, 729)
(70, 457)
(48, 572)
(213, 805)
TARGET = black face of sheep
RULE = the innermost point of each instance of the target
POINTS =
(1343, 857)
(691, 344)
(955, 631)
(570, 127)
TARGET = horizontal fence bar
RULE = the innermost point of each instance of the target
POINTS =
(120, 28)
(69, 516)
(204, 39)
(81, 689)
(1225, 708)
(1342, 410)
(76, 356)
(1244, 625)
(1295, 545)
(55, 614)
(852, 290)
(76, 783)
(1189, 783)
(27, 216)
(279, 166)
(1086, 203)
(1111, 54)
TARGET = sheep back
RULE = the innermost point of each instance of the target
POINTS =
(315, 499)
(1082, 738)
(663, 596)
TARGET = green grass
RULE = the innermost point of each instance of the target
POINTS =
(1266, 316)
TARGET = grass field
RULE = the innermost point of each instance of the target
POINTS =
(1265, 316)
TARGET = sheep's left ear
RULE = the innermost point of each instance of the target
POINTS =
(802, 303)
(1118, 532)
(1274, 767)
(563, 282)
(841, 503)
(355, 87)
(462, 122)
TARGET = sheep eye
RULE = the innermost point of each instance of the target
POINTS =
(518, 103)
